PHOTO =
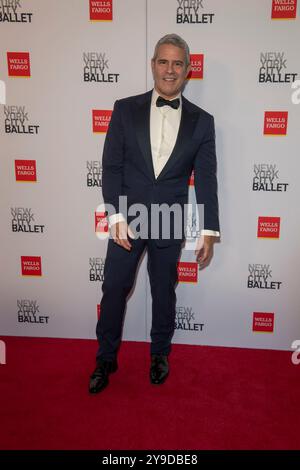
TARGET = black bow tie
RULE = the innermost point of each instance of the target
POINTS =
(162, 102)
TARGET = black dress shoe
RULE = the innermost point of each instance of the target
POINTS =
(99, 378)
(159, 369)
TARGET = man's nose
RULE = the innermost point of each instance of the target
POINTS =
(170, 68)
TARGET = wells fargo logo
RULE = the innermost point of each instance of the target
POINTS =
(268, 227)
(101, 120)
(187, 272)
(31, 265)
(101, 10)
(18, 64)
(25, 170)
(284, 9)
(263, 322)
(197, 62)
(275, 123)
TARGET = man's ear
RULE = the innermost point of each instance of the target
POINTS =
(188, 69)
(152, 64)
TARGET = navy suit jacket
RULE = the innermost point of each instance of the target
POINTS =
(127, 160)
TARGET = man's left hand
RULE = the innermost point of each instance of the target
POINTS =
(205, 253)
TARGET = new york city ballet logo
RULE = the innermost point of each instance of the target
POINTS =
(11, 12)
(186, 320)
(31, 266)
(275, 122)
(18, 64)
(284, 9)
(25, 171)
(101, 120)
(197, 67)
(263, 322)
(101, 10)
(266, 178)
(96, 68)
(29, 312)
(96, 269)
(16, 121)
(193, 220)
(273, 68)
(268, 227)
(260, 277)
(193, 230)
(23, 221)
(94, 174)
(192, 12)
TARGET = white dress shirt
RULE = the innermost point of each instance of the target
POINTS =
(164, 126)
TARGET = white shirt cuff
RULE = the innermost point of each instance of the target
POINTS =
(212, 233)
(115, 218)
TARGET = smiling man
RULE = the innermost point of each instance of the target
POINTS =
(170, 69)
(154, 142)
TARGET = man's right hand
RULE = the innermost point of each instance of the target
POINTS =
(120, 232)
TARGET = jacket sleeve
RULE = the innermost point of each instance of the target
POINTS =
(205, 168)
(112, 162)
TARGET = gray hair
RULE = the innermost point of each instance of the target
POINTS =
(175, 40)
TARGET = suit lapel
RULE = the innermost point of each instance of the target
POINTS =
(142, 127)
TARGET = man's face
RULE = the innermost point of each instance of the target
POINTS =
(169, 70)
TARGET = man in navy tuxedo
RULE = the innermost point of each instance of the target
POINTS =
(154, 142)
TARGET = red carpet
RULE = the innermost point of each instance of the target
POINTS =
(215, 398)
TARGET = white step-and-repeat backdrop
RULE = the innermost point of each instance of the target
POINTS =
(63, 64)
